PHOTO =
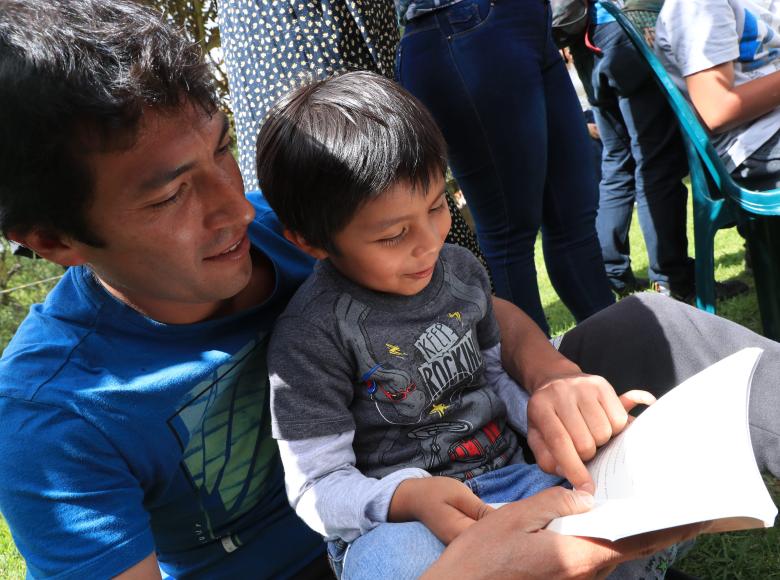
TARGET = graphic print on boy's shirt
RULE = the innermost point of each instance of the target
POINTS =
(406, 373)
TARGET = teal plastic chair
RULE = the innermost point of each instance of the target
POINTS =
(718, 201)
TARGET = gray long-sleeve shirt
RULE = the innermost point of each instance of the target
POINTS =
(401, 376)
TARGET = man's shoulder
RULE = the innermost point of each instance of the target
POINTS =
(47, 338)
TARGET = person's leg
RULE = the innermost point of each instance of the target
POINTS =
(617, 188)
(473, 70)
(399, 551)
(476, 66)
(616, 194)
(571, 247)
(513, 482)
(651, 342)
(657, 151)
(270, 47)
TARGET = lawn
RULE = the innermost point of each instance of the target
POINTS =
(741, 555)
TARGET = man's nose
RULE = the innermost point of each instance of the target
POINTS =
(227, 205)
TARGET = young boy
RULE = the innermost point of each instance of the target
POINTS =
(385, 368)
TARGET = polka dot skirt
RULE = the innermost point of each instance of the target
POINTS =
(271, 46)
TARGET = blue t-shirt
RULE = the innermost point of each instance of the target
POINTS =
(120, 436)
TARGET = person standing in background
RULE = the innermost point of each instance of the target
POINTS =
(271, 47)
(643, 161)
(498, 88)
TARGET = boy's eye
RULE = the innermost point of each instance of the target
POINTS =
(393, 240)
(440, 205)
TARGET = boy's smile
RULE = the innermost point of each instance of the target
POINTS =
(392, 242)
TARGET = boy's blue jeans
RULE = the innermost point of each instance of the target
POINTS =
(493, 79)
(404, 551)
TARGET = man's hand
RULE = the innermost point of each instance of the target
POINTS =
(511, 543)
(445, 505)
(570, 413)
(570, 416)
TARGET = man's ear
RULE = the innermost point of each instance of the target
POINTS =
(299, 241)
(51, 246)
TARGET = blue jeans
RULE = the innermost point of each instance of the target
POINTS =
(406, 550)
(518, 147)
(643, 160)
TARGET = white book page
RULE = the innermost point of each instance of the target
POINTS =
(686, 459)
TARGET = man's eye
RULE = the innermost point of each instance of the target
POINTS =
(226, 147)
(175, 198)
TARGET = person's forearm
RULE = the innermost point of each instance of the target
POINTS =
(526, 353)
(723, 106)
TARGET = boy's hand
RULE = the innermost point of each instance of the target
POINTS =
(570, 416)
(445, 505)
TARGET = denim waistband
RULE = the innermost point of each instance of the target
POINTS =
(447, 18)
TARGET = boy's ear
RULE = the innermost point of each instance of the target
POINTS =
(50, 246)
(299, 241)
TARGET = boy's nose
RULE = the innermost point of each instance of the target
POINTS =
(427, 242)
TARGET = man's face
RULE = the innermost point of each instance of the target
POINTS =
(392, 243)
(173, 216)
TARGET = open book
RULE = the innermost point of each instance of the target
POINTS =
(686, 459)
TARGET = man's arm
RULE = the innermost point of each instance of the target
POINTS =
(722, 106)
(511, 543)
(570, 413)
(526, 353)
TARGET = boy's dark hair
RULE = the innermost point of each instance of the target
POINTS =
(75, 78)
(331, 145)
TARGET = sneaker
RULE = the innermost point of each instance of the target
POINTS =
(723, 291)
(625, 287)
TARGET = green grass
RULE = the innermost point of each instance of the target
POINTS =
(15, 273)
(729, 264)
(741, 555)
(11, 563)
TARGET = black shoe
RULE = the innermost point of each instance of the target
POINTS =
(625, 287)
(723, 291)
(729, 289)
